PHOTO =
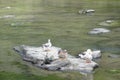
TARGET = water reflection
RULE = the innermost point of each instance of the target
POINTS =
(62, 3)
(88, 77)
(106, 6)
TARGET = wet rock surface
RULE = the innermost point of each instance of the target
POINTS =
(7, 16)
(87, 11)
(114, 56)
(106, 23)
(98, 31)
(51, 60)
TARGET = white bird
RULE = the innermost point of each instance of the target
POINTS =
(87, 55)
(89, 51)
(47, 45)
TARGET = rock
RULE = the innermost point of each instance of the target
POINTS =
(80, 65)
(38, 52)
(15, 24)
(114, 56)
(96, 54)
(109, 21)
(51, 60)
(87, 11)
(8, 7)
(106, 23)
(99, 31)
(56, 65)
(19, 50)
(7, 16)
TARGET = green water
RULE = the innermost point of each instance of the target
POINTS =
(35, 21)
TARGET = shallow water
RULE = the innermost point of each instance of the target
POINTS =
(37, 20)
(88, 77)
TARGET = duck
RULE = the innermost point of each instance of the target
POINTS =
(86, 55)
(89, 51)
(63, 54)
(47, 45)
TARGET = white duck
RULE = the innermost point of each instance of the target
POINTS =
(87, 55)
(47, 45)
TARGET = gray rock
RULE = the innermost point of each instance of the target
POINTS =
(8, 7)
(87, 11)
(50, 60)
(99, 31)
(96, 54)
(106, 23)
(114, 56)
(56, 65)
(7, 16)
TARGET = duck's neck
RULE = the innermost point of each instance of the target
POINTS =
(48, 40)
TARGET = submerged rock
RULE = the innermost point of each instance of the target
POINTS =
(7, 16)
(96, 54)
(99, 31)
(114, 56)
(106, 23)
(8, 7)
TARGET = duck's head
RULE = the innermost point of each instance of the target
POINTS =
(48, 40)
(89, 51)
